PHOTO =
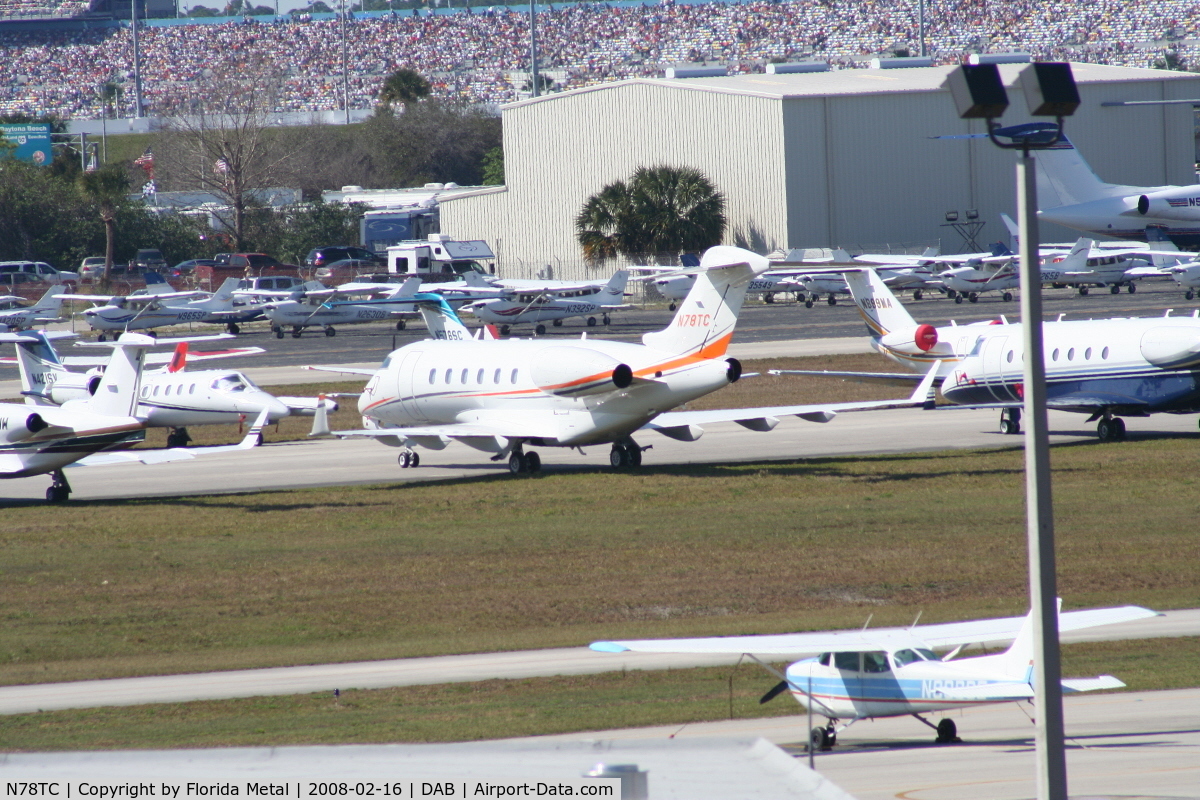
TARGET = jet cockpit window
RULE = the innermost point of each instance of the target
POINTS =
(875, 662)
(846, 661)
(387, 361)
(229, 383)
(977, 348)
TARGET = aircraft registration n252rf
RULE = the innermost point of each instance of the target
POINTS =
(890, 672)
(500, 396)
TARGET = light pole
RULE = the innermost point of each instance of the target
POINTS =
(137, 63)
(533, 71)
(1050, 91)
(345, 70)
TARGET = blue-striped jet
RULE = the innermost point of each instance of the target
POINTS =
(889, 672)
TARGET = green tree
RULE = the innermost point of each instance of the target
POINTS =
(435, 140)
(106, 188)
(493, 167)
(404, 86)
(43, 217)
(661, 212)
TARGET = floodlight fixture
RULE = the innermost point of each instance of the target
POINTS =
(1049, 89)
(951, 216)
(972, 213)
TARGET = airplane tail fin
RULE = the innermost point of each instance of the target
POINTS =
(1076, 260)
(704, 324)
(1017, 661)
(156, 284)
(1014, 230)
(440, 318)
(117, 394)
(689, 260)
(50, 302)
(224, 292)
(39, 364)
(1001, 249)
(1156, 237)
(880, 308)
(1064, 178)
(616, 287)
(178, 358)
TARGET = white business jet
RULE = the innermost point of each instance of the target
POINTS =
(890, 672)
(533, 303)
(15, 316)
(500, 396)
(46, 439)
(170, 397)
(157, 306)
(313, 304)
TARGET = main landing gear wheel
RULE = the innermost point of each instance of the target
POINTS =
(917, 294)
(1007, 297)
(947, 732)
(832, 300)
(1083, 290)
(400, 324)
(278, 332)
(540, 330)
(671, 307)
(178, 437)
(625, 455)
(958, 298)
(409, 458)
(233, 328)
(60, 490)
(1010, 421)
(768, 298)
(1111, 430)
(808, 303)
(973, 297)
(558, 323)
(504, 330)
(296, 332)
(591, 322)
(1132, 288)
(822, 738)
(519, 463)
(605, 320)
(102, 338)
(1114, 289)
(951, 294)
(1189, 294)
(330, 332)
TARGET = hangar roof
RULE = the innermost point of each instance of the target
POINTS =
(863, 81)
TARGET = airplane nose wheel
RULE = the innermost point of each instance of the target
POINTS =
(60, 490)
(822, 738)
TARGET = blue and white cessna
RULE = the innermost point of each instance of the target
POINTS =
(889, 672)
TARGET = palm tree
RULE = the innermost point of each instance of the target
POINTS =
(661, 211)
(106, 187)
(402, 86)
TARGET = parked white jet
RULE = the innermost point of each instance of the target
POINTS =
(15, 316)
(535, 304)
(499, 396)
(170, 397)
(676, 287)
(1070, 194)
(889, 672)
(313, 305)
(47, 439)
(156, 307)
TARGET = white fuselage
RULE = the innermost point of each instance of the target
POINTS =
(562, 393)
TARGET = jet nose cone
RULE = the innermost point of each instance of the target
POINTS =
(254, 402)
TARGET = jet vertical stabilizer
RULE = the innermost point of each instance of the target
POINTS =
(117, 394)
(440, 319)
(881, 309)
(706, 318)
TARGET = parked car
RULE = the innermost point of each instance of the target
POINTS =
(149, 260)
(323, 256)
(346, 268)
(185, 269)
(40, 269)
(257, 263)
(91, 267)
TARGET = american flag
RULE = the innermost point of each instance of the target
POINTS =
(145, 160)
(221, 166)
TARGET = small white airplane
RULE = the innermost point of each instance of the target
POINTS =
(1071, 194)
(890, 672)
(15, 316)
(537, 303)
(313, 304)
(500, 396)
(47, 439)
(170, 397)
(157, 306)
(675, 287)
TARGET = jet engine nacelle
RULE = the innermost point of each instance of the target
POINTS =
(62, 387)
(1171, 347)
(920, 339)
(19, 425)
(577, 372)
(1182, 204)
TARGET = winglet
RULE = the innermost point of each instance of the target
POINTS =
(178, 358)
(924, 393)
(320, 426)
(253, 438)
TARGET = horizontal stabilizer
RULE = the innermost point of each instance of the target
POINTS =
(1092, 684)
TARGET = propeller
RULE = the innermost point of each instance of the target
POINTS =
(774, 692)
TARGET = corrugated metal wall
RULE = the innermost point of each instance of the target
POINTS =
(802, 171)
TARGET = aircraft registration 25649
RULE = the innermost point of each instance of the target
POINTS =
(499, 396)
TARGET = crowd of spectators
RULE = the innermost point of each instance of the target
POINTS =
(482, 56)
(53, 9)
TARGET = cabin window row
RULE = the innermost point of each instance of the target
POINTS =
(1070, 354)
(478, 377)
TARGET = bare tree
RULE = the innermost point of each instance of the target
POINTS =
(221, 142)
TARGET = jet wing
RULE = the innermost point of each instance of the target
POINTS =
(165, 358)
(1093, 400)
(944, 635)
(346, 370)
(109, 458)
(683, 425)
(882, 377)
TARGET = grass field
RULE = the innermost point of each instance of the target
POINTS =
(106, 589)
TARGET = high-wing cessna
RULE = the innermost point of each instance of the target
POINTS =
(170, 397)
(17, 317)
(46, 439)
(500, 396)
(769, 284)
(535, 303)
(156, 307)
(889, 672)
(312, 304)
(1070, 194)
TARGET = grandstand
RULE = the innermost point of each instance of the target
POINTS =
(482, 56)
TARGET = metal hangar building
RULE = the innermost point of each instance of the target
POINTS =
(840, 158)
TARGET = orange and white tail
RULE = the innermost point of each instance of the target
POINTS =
(706, 318)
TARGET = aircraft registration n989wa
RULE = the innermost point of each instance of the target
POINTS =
(501, 396)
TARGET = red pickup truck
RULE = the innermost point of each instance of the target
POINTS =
(242, 265)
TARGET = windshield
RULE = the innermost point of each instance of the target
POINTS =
(233, 382)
